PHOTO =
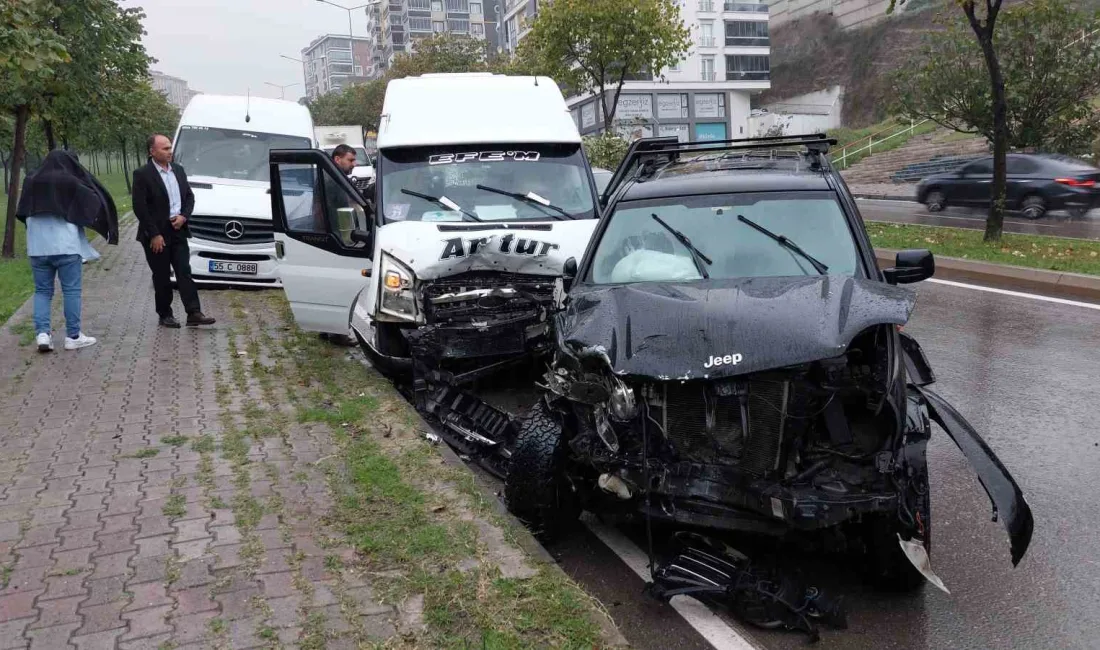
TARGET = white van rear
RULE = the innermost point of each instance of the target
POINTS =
(223, 143)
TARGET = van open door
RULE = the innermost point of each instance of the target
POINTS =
(324, 238)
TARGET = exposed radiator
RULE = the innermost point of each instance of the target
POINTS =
(704, 426)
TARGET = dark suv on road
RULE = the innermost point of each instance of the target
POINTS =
(1036, 184)
(730, 356)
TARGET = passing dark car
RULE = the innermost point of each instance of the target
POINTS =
(730, 357)
(1036, 184)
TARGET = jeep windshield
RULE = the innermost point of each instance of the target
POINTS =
(636, 247)
(519, 182)
(228, 153)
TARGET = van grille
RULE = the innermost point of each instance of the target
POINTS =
(254, 231)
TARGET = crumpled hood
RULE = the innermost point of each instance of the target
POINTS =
(723, 328)
(223, 197)
(435, 250)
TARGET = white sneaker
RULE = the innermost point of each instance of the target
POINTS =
(45, 342)
(79, 342)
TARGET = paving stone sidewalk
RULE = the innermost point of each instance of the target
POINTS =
(117, 532)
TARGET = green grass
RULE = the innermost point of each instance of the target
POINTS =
(1033, 251)
(175, 506)
(203, 445)
(148, 452)
(16, 284)
(175, 441)
(858, 138)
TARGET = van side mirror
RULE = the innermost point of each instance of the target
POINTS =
(568, 273)
(911, 266)
(360, 236)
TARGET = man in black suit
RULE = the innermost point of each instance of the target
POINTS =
(163, 201)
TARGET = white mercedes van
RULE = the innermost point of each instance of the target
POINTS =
(223, 143)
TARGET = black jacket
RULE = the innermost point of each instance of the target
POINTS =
(63, 188)
(151, 205)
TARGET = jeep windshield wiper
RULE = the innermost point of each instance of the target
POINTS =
(783, 241)
(696, 254)
(530, 198)
(442, 201)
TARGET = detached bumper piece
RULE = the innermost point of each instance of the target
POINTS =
(718, 575)
(476, 429)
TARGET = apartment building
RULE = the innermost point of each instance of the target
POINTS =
(174, 89)
(704, 97)
(333, 61)
(396, 25)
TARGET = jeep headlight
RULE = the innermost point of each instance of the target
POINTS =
(397, 295)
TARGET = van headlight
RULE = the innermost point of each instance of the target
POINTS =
(397, 296)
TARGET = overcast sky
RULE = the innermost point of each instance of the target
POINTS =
(227, 46)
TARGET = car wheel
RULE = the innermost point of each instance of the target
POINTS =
(1033, 207)
(935, 201)
(536, 490)
(887, 564)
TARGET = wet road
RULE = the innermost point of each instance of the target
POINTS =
(1025, 373)
(1056, 224)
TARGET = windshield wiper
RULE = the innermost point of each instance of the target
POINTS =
(531, 198)
(696, 254)
(786, 243)
(441, 201)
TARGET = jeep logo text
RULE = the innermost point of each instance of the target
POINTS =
(728, 360)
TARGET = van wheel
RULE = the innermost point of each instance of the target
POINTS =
(536, 490)
(1033, 207)
(935, 201)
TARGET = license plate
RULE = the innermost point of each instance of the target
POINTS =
(242, 268)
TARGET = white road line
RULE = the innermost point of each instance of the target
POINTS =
(712, 628)
(1017, 294)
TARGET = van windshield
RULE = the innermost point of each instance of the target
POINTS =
(524, 181)
(227, 153)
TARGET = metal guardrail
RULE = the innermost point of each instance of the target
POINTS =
(840, 159)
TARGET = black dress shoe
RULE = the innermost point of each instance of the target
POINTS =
(170, 321)
(199, 318)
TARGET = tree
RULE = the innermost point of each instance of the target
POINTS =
(589, 45)
(1039, 98)
(605, 150)
(30, 52)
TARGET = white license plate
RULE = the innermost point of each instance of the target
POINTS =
(241, 268)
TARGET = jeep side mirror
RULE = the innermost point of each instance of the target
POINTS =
(911, 266)
(568, 273)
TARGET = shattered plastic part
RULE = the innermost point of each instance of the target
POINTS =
(918, 555)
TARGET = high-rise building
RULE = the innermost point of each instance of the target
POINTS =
(396, 25)
(174, 89)
(332, 62)
(706, 96)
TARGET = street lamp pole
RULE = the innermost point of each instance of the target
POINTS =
(282, 88)
(351, 35)
(291, 58)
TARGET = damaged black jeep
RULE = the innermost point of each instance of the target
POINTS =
(730, 356)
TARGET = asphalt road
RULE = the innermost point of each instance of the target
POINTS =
(1024, 372)
(1056, 224)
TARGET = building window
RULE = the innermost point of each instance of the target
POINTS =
(477, 29)
(339, 55)
(706, 33)
(438, 27)
(706, 64)
(706, 5)
(710, 105)
(420, 4)
(674, 107)
(752, 33)
(437, 5)
(420, 24)
(358, 71)
(458, 5)
(748, 67)
(458, 25)
(475, 7)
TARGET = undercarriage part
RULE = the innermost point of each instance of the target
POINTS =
(475, 428)
(718, 575)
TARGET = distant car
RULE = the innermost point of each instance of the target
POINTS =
(1037, 183)
(603, 177)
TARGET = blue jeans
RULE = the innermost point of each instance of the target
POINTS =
(67, 268)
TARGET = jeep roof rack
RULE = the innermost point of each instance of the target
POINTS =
(650, 151)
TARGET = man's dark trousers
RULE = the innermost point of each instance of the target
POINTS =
(175, 256)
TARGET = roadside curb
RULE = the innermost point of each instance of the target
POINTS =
(1050, 283)
(886, 197)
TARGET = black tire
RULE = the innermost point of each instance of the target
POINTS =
(888, 567)
(935, 201)
(536, 490)
(1033, 207)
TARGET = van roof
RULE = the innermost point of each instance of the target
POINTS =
(268, 115)
(473, 108)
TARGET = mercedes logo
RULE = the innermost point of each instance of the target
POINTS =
(234, 229)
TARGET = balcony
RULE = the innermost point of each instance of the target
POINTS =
(742, 41)
(736, 75)
(706, 41)
(707, 75)
(746, 7)
(706, 6)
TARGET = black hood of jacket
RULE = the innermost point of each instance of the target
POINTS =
(63, 188)
(670, 331)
